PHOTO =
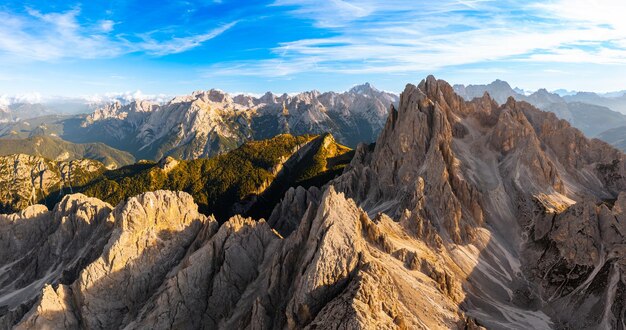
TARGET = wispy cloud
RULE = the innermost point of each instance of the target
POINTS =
(179, 45)
(410, 36)
(57, 35)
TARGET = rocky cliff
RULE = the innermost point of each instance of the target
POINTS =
(464, 214)
(27, 180)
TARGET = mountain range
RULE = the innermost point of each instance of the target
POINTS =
(591, 113)
(18, 111)
(20, 107)
(210, 122)
(463, 214)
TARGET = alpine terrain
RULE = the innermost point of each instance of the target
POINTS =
(463, 214)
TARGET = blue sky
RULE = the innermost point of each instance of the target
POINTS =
(175, 47)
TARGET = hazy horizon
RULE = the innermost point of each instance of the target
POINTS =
(35, 97)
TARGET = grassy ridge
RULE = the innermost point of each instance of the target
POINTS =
(57, 149)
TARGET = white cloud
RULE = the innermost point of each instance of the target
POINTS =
(106, 25)
(332, 13)
(52, 36)
(125, 97)
(33, 97)
(94, 99)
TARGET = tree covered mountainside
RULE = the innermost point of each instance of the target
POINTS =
(249, 179)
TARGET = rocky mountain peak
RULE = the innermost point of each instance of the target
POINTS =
(244, 100)
(450, 170)
(142, 106)
(543, 98)
(213, 95)
(365, 89)
(501, 84)
(498, 89)
(268, 98)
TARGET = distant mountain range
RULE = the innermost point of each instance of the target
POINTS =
(15, 112)
(617, 103)
(207, 123)
(210, 122)
(17, 108)
(592, 113)
(615, 136)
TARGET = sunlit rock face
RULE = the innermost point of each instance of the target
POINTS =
(462, 215)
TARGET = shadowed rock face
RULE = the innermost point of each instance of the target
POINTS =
(41, 247)
(463, 214)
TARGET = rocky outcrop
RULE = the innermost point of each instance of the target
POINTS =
(326, 273)
(147, 238)
(167, 164)
(166, 266)
(27, 180)
(42, 248)
(580, 265)
(287, 214)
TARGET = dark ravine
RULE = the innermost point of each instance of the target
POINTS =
(462, 215)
